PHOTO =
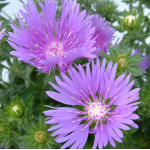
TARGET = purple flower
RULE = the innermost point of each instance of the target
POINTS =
(47, 40)
(103, 33)
(2, 31)
(101, 102)
(145, 62)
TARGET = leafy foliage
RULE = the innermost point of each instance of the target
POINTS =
(36, 136)
(124, 59)
(107, 9)
(3, 4)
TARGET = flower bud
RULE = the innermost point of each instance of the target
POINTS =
(17, 110)
(130, 21)
(40, 136)
(122, 60)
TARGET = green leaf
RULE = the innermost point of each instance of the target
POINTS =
(104, 55)
(2, 5)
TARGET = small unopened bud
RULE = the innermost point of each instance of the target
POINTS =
(17, 110)
(40, 136)
(130, 21)
(122, 60)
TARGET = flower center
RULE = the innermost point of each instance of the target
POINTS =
(55, 49)
(96, 111)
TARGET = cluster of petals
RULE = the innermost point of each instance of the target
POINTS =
(96, 103)
(104, 34)
(47, 40)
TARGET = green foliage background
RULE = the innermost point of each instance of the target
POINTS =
(26, 87)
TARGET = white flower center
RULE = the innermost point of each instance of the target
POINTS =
(96, 111)
(55, 49)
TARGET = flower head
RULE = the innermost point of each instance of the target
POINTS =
(104, 106)
(103, 33)
(146, 60)
(2, 31)
(46, 40)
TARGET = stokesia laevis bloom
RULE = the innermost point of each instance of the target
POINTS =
(145, 62)
(104, 34)
(2, 31)
(102, 103)
(46, 40)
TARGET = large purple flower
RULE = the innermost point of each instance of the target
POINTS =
(46, 40)
(101, 102)
(145, 62)
(104, 34)
(2, 31)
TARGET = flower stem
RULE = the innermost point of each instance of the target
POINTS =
(19, 75)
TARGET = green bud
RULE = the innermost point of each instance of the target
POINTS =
(17, 110)
(40, 136)
(130, 21)
(122, 60)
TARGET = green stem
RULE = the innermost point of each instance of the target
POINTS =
(137, 35)
(131, 7)
(140, 6)
(19, 75)
(9, 62)
(6, 15)
(5, 84)
(21, 1)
